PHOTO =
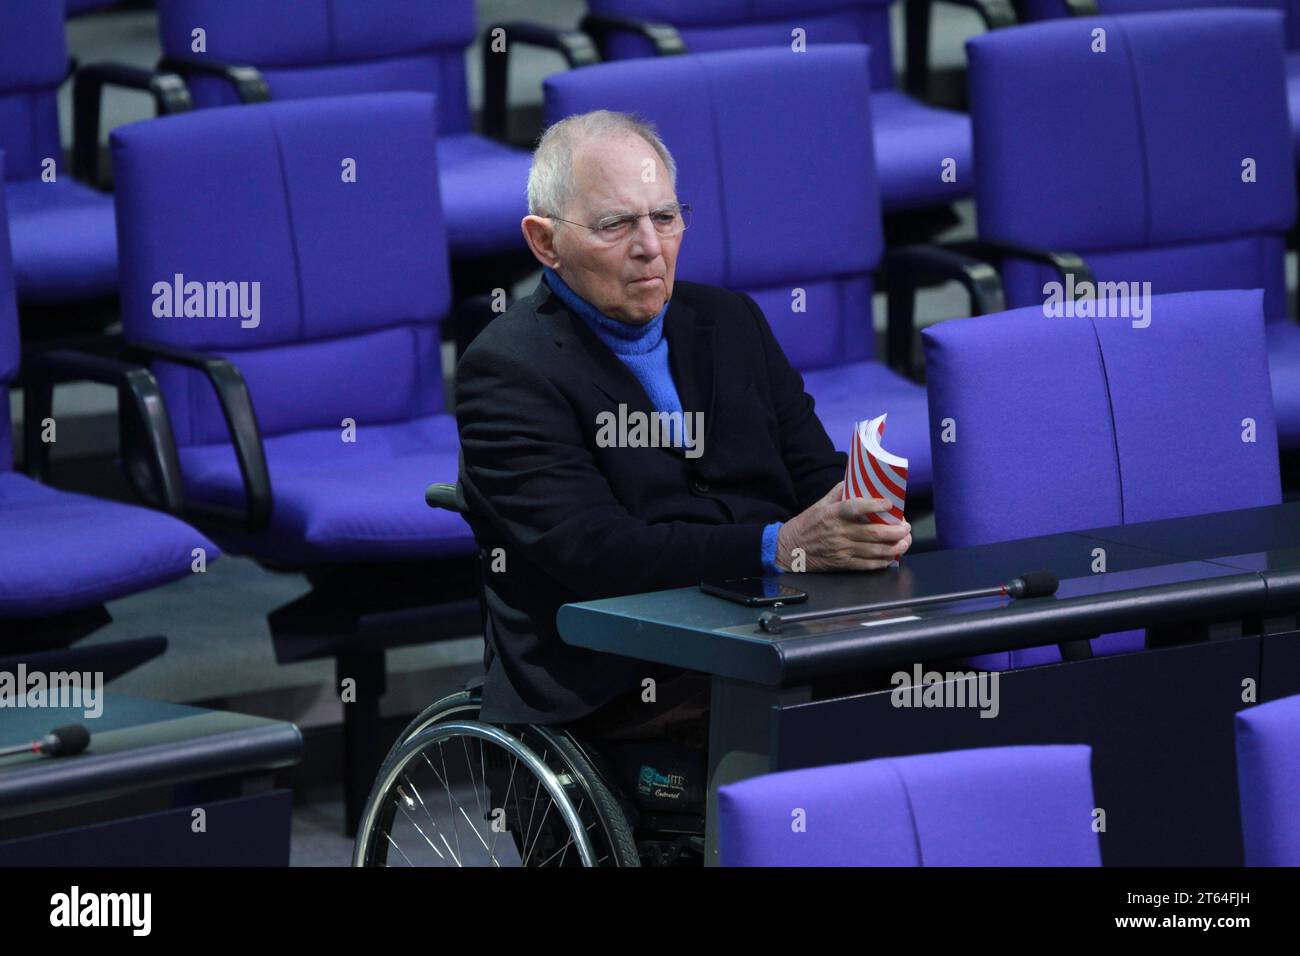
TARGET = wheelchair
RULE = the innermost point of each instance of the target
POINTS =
(455, 791)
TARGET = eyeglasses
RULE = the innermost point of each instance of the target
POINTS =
(668, 221)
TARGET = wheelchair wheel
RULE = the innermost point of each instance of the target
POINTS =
(458, 792)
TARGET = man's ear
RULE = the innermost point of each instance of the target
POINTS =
(539, 233)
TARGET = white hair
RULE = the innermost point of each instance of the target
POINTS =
(550, 178)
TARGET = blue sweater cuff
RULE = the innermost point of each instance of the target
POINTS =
(769, 547)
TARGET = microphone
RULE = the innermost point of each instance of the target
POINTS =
(1031, 585)
(65, 741)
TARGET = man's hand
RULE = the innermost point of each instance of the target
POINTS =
(838, 536)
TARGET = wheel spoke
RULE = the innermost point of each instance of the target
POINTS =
(541, 828)
(455, 830)
(569, 821)
(421, 832)
(399, 850)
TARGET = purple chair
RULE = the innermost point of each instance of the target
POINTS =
(63, 555)
(60, 227)
(1268, 775)
(64, 246)
(260, 49)
(999, 806)
(912, 139)
(1136, 160)
(341, 363)
(1065, 424)
(784, 199)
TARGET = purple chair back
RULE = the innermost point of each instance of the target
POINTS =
(312, 48)
(1000, 806)
(10, 352)
(1268, 773)
(1097, 153)
(33, 62)
(1084, 423)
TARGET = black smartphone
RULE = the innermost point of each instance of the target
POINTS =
(754, 592)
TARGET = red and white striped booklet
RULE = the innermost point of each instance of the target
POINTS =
(873, 472)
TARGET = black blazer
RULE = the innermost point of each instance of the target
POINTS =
(576, 521)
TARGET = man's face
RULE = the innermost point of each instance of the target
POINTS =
(629, 279)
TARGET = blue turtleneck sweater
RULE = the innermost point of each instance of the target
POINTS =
(644, 350)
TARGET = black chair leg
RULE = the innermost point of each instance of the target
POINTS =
(363, 748)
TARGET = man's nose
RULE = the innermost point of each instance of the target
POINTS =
(645, 241)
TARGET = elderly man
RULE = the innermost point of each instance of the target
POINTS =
(580, 509)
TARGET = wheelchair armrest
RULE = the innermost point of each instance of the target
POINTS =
(147, 446)
(167, 89)
(910, 267)
(664, 37)
(1065, 263)
(575, 46)
(249, 84)
(237, 408)
(446, 496)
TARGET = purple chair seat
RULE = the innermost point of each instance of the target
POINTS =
(1000, 806)
(912, 141)
(1268, 774)
(61, 551)
(846, 394)
(64, 240)
(355, 501)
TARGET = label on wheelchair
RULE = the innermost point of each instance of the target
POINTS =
(661, 786)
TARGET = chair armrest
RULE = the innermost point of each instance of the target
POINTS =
(575, 46)
(910, 267)
(995, 14)
(237, 408)
(664, 37)
(248, 81)
(1065, 263)
(446, 496)
(147, 446)
(167, 89)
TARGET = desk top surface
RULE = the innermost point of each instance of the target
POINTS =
(1223, 564)
(134, 744)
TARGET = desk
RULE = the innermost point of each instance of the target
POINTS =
(1218, 595)
(127, 799)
